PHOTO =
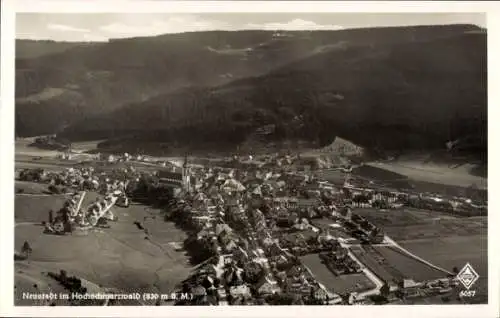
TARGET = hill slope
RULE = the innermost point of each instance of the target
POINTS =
(392, 96)
(27, 49)
(55, 90)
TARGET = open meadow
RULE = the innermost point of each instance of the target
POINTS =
(443, 240)
(120, 257)
(405, 266)
(456, 251)
(408, 224)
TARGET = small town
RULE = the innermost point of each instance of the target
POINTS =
(262, 231)
(224, 155)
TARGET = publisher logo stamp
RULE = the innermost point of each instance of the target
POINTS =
(467, 276)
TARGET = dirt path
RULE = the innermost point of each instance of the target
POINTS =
(25, 223)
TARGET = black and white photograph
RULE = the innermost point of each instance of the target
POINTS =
(249, 159)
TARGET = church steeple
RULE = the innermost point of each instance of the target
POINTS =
(186, 177)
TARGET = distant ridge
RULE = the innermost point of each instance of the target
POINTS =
(27, 49)
(398, 88)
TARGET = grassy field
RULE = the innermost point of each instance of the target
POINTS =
(30, 279)
(22, 148)
(407, 266)
(392, 266)
(449, 252)
(30, 187)
(456, 251)
(434, 231)
(398, 217)
(36, 208)
(404, 216)
(408, 224)
(49, 164)
(119, 257)
(337, 284)
(373, 261)
(333, 176)
(447, 243)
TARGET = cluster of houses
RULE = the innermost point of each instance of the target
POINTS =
(408, 288)
(339, 262)
(371, 197)
(366, 231)
(249, 226)
(76, 181)
(81, 179)
(456, 205)
(260, 220)
(234, 217)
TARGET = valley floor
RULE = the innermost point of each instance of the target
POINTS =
(119, 257)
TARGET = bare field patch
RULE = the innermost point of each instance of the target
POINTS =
(85, 145)
(434, 173)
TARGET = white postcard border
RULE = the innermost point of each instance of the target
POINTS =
(9, 7)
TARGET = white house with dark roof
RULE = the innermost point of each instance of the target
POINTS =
(267, 286)
(240, 291)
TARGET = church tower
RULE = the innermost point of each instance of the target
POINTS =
(186, 175)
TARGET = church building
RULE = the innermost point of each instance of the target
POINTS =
(178, 179)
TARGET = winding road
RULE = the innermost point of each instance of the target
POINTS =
(368, 273)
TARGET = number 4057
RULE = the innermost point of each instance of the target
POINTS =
(467, 293)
